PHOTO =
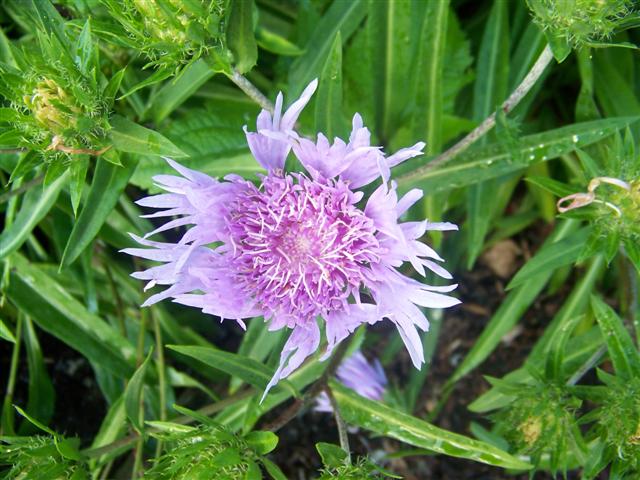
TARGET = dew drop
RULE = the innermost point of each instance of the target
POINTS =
(575, 139)
(531, 157)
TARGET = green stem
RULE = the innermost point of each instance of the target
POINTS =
(251, 90)
(298, 404)
(342, 426)
(161, 375)
(139, 450)
(509, 104)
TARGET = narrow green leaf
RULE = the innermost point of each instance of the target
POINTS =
(275, 43)
(6, 333)
(389, 29)
(249, 370)
(84, 49)
(491, 161)
(428, 116)
(51, 306)
(378, 418)
(35, 206)
(133, 138)
(557, 347)
(272, 469)
(35, 421)
(343, 17)
(552, 256)
(108, 183)
(329, 118)
(509, 312)
(622, 351)
(41, 392)
(78, 171)
(112, 425)
(490, 90)
(156, 77)
(240, 37)
(174, 93)
(133, 394)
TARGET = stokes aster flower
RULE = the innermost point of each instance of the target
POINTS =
(298, 246)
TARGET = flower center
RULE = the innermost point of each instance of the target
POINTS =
(301, 247)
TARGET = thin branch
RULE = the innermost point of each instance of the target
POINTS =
(315, 389)
(342, 427)
(5, 197)
(509, 104)
(251, 90)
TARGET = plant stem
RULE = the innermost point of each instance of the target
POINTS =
(320, 384)
(509, 104)
(342, 427)
(136, 472)
(161, 377)
(251, 90)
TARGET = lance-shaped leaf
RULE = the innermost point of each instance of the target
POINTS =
(377, 417)
(329, 118)
(494, 160)
(240, 37)
(108, 183)
(249, 370)
(622, 351)
(130, 137)
(133, 394)
(36, 204)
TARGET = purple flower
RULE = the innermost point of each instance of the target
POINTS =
(298, 247)
(355, 372)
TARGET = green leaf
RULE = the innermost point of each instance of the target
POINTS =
(253, 471)
(51, 306)
(272, 469)
(109, 181)
(552, 256)
(6, 333)
(432, 42)
(35, 421)
(332, 455)
(174, 93)
(275, 43)
(622, 351)
(557, 348)
(84, 49)
(68, 447)
(133, 394)
(490, 90)
(343, 17)
(555, 187)
(133, 138)
(329, 117)
(156, 77)
(262, 442)
(509, 312)
(112, 425)
(379, 418)
(78, 171)
(389, 30)
(35, 206)
(41, 392)
(491, 161)
(240, 37)
(249, 370)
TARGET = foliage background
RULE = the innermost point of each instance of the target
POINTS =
(94, 92)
